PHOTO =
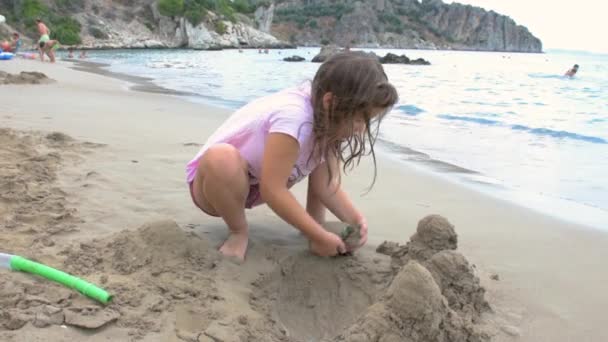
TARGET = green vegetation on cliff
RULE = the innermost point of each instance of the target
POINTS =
(307, 13)
(196, 10)
(22, 14)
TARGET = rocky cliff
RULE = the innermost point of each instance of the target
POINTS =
(140, 24)
(429, 24)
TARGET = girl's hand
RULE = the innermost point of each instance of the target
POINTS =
(329, 245)
(362, 222)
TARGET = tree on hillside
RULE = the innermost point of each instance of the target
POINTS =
(171, 8)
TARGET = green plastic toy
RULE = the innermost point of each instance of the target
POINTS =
(17, 263)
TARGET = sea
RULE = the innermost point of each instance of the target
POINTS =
(506, 124)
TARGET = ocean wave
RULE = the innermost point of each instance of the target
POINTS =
(169, 65)
(546, 76)
(410, 109)
(559, 134)
(470, 119)
(536, 131)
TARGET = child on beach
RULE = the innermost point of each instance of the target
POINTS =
(270, 144)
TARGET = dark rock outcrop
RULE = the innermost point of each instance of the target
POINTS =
(326, 52)
(294, 59)
(391, 58)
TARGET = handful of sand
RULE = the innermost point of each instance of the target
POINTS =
(350, 234)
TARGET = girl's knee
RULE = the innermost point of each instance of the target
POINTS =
(222, 160)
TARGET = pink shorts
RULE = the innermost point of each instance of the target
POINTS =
(253, 198)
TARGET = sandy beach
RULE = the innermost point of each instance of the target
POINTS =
(92, 182)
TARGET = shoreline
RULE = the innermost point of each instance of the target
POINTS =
(552, 273)
(287, 47)
(539, 203)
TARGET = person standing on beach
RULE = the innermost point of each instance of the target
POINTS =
(49, 48)
(45, 36)
(573, 71)
(315, 130)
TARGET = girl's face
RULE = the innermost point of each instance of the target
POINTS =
(359, 126)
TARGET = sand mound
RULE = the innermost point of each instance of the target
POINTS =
(430, 294)
(313, 298)
(24, 77)
(150, 270)
(459, 285)
(33, 210)
(166, 267)
(412, 309)
(434, 246)
(157, 247)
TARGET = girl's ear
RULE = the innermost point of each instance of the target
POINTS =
(327, 98)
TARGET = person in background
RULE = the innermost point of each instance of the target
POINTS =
(15, 42)
(71, 53)
(12, 46)
(573, 71)
(49, 48)
(45, 36)
(83, 54)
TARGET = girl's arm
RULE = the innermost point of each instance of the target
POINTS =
(334, 198)
(280, 155)
(331, 194)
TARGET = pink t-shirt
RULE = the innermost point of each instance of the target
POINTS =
(289, 111)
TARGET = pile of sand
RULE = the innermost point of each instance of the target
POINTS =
(34, 210)
(428, 293)
(149, 271)
(24, 77)
(434, 296)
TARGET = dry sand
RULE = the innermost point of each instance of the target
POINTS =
(105, 199)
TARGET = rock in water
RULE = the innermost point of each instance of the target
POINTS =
(326, 52)
(391, 58)
(294, 59)
(420, 61)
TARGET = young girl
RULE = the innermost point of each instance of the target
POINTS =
(270, 144)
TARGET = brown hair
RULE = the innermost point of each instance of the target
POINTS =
(359, 86)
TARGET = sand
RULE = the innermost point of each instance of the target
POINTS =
(24, 77)
(92, 183)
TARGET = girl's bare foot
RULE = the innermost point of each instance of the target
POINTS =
(235, 246)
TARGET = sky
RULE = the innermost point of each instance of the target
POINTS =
(574, 25)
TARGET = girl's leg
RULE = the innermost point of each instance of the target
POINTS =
(221, 187)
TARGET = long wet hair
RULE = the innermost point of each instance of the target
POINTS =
(359, 87)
